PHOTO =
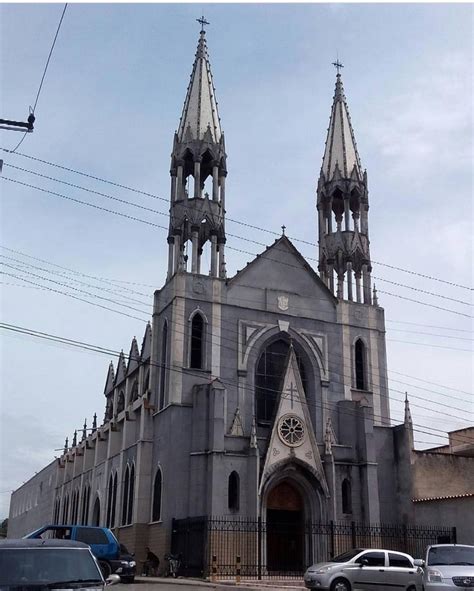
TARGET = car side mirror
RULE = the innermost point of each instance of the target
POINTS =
(112, 580)
(419, 562)
(363, 562)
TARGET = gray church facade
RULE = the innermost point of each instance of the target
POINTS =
(258, 396)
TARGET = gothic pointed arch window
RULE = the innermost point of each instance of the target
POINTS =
(65, 509)
(269, 375)
(157, 496)
(75, 506)
(233, 492)
(346, 496)
(131, 494)
(110, 489)
(57, 507)
(96, 513)
(360, 363)
(146, 382)
(126, 488)
(134, 392)
(164, 356)
(120, 402)
(86, 494)
(128, 494)
(197, 344)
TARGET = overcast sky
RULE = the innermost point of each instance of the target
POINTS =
(110, 103)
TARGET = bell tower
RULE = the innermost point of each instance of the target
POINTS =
(198, 171)
(343, 205)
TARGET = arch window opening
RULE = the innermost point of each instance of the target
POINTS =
(197, 342)
(269, 377)
(346, 497)
(85, 504)
(75, 506)
(120, 402)
(134, 393)
(96, 513)
(164, 346)
(233, 492)
(360, 369)
(157, 494)
(128, 495)
(65, 509)
(111, 497)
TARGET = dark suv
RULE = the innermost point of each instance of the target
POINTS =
(49, 564)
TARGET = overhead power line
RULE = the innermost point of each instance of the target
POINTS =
(140, 220)
(228, 219)
(331, 406)
(32, 114)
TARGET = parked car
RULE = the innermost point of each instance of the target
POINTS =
(103, 543)
(448, 567)
(365, 569)
(49, 564)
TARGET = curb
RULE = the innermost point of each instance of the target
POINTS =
(220, 585)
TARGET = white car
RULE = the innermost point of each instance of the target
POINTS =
(369, 570)
(448, 567)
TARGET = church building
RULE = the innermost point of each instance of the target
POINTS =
(261, 397)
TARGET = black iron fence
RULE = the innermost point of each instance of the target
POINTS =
(252, 548)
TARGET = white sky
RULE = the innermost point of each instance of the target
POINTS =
(110, 103)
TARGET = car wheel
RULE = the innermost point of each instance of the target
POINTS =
(341, 585)
(105, 568)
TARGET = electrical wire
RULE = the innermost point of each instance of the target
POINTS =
(327, 406)
(255, 255)
(245, 224)
(237, 385)
(42, 78)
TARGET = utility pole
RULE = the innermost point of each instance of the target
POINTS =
(26, 127)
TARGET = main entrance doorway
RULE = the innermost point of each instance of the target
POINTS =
(285, 529)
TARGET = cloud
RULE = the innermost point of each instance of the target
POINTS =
(424, 126)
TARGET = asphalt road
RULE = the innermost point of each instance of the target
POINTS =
(165, 586)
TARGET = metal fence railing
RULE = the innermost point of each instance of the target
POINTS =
(226, 547)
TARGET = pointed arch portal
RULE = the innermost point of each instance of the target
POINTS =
(285, 528)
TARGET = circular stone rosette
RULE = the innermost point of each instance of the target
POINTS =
(291, 430)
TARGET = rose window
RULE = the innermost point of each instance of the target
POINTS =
(291, 430)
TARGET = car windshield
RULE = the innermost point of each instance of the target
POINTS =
(47, 566)
(451, 555)
(346, 556)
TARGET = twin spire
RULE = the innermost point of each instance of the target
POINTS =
(197, 203)
(341, 149)
(200, 106)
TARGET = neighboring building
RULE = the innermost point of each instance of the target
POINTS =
(263, 395)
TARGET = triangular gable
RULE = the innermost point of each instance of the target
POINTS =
(271, 253)
(109, 382)
(121, 369)
(133, 357)
(292, 437)
(146, 343)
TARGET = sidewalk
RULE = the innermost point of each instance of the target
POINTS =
(248, 585)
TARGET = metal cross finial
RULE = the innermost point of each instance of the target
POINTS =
(283, 228)
(202, 22)
(337, 64)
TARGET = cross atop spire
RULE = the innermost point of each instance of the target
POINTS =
(202, 21)
(337, 64)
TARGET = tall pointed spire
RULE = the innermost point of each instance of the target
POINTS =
(343, 206)
(198, 162)
(341, 149)
(200, 106)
